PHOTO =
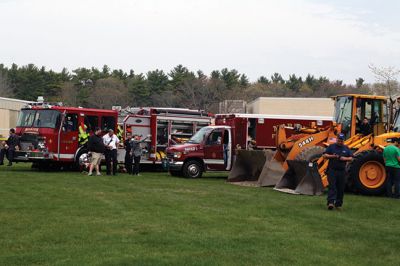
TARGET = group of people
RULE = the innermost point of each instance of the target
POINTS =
(8, 148)
(107, 145)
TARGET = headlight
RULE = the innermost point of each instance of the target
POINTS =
(177, 154)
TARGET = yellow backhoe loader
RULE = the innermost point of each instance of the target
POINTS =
(290, 168)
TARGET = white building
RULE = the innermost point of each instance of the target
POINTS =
(9, 110)
(291, 106)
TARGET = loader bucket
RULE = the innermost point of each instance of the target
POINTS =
(272, 171)
(247, 165)
(302, 177)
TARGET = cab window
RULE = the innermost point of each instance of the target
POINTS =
(70, 122)
(91, 122)
(108, 122)
(215, 138)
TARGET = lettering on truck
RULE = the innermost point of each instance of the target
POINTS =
(305, 142)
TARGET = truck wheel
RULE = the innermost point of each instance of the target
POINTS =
(310, 154)
(367, 173)
(192, 169)
(81, 159)
(175, 173)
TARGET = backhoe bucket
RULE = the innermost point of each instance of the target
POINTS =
(302, 177)
(247, 165)
(272, 171)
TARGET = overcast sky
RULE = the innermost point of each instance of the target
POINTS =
(333, 38)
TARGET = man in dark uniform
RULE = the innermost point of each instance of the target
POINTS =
(338, 155)
(128, 156)
(12, 144)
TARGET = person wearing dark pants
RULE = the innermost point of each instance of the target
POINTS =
(393, 181)
(111, 141)
(128, 156)
(3, 153)
(136, 167)
(337, 184)
(338, 155)
(12, 143)
(136, 152)
(391, 157)
(111, 161)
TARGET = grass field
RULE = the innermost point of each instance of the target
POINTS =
(65, 218)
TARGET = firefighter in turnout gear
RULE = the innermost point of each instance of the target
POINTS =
(83, 136)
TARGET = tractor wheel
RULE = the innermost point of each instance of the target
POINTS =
(192, 169)
(367, 174)
(310, 154)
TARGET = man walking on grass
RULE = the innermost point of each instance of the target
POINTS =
(338, 155)
(96, 148)
(391, 156)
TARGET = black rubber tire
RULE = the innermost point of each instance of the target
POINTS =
(353, 170)
(77, 165)
(175, 173)
(192, 169)
(310, 154)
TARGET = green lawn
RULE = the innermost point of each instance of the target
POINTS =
(66, 218)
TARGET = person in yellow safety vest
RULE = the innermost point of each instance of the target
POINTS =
(120, 134)
(83, 136)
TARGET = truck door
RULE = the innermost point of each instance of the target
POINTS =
(69, 137)
(213, 150)
(227, 149)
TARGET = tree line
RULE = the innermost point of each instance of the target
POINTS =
(181, 87)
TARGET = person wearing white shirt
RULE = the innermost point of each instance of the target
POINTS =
(111, 141)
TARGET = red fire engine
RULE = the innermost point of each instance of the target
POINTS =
(212, 148)
(165, 127)
(57, 135)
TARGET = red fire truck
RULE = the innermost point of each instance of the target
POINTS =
(165, 127)
(212, 147)
(53, 135)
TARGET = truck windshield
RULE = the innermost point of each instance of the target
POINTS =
(38, 118)
(199, 136)
(343, 108)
